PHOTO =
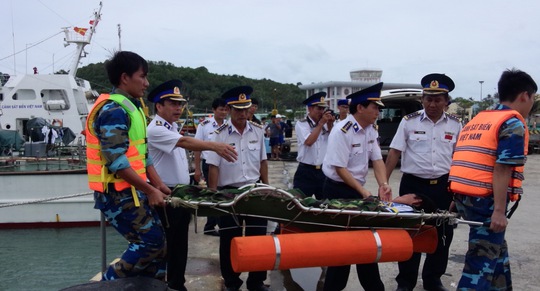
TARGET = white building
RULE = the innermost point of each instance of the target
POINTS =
(360, 79)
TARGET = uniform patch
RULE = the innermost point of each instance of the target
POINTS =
(356, 127)
(347, 126)
(253, 141)
(419, 132)
(221, 128)
(453, 117)
(205, 122)
(255, 124)
(412, 115)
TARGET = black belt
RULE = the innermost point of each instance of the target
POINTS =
(434, 181)
(316, 167)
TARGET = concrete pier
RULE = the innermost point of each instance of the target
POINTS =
(522, 235)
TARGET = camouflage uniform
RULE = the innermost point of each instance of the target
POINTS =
(140, 226)
(487, 266)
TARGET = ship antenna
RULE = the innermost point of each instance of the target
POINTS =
(81, 38)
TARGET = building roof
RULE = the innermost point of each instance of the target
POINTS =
(386, 85)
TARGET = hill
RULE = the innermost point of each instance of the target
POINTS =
(202, 87)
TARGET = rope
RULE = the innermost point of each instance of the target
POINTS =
(45, 199)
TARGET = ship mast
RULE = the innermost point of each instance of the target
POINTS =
(81, 40)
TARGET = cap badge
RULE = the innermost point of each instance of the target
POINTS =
(242, 97)
(434, 84)
(322, 99)
(176, 91)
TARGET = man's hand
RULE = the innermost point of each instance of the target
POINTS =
(197, 175)
(409, 199)
(157, 198)
(328, 117)
(226, 151)
(385, 192)
(498, 221)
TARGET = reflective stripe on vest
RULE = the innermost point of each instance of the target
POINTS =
(99, 176)
(474, 158)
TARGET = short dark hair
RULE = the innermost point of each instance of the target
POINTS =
(124, 62)
(219, 102)
(353, 107)
(513, 82)
(254, 101)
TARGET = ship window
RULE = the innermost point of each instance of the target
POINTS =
(55, 100)
(24, 94)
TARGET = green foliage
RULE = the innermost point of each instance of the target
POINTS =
(488, 102)
(202, 87)
(463, 104)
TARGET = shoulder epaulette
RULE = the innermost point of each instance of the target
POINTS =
(206, 121)
(303, 120)
(347, 126)
(412, 115)
(158, 122)
(453, 117)
(221, 128)
(255, 124)
(376, 127)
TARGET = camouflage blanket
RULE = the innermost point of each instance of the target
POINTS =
(194, 193)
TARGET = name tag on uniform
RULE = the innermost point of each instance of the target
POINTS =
(419, 132)
(357, 145)
(253, 141)
(448, 135)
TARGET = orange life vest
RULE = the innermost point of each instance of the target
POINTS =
(474, 158)
(99, 175)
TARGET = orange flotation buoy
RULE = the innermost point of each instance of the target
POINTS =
(336, 248)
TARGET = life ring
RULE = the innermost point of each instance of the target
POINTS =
(58, 122)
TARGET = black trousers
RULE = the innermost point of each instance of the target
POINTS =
(309, 180)
(211, 221)
(230, 226)
(176, 224)
(337, 276)
(435, 264)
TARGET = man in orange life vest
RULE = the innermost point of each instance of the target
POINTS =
(486, 173)
(119, 167)
(425, 140)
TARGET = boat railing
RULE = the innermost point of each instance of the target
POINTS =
(61, 158)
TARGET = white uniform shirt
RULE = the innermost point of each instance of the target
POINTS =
(314, 154)
(170, 161)
(426, 147)
(351, 146)
(205, 131)
(251, 151)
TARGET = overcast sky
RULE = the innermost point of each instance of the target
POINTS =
(290, 41)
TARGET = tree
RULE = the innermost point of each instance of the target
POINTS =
(488, 102)
(463, 104)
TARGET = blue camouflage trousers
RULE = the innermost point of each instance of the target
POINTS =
(141, 227)
(487, 266)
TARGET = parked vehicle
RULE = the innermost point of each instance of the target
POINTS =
(397, 103)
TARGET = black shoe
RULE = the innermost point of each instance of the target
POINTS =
(403, 288)
(231, 289)
(261, 288)
(211, 232)
(439, 287)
